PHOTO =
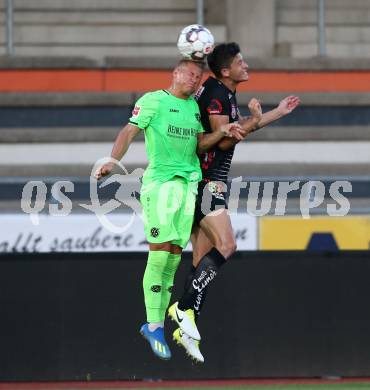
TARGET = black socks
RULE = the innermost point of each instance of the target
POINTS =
(198, 280)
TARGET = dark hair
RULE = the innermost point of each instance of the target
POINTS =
(185, 61)
(222, 56)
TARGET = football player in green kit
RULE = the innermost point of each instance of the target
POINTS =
(174, 135)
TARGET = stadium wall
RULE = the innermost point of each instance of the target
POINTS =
(139, 80)
(270, 314)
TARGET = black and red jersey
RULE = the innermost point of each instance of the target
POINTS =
(214, 98)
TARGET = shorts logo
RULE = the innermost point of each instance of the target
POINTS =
(154, 232)
(136, 111)
(215, 107)
(216, 189)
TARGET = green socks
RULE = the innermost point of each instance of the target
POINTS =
(169, 272)
(157, 283)
(152, 284)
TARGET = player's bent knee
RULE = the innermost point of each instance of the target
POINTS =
(227, 248)
(164, 246)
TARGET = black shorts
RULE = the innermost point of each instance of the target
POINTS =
(210, 197)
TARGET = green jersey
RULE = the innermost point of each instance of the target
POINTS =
(171, 128)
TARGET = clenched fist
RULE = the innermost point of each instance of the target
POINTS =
(255, 109)
(104, 170)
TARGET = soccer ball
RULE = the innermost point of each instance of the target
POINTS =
(195, 42)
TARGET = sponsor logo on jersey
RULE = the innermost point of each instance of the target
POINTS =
(136, 111)
(215, 107)
(181, 131)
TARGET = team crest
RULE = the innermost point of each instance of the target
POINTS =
(233, 111)
(154, 232)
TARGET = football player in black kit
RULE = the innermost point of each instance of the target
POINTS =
(212, 236)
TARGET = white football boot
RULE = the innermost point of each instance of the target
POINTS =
(185, 320)
(190, 345)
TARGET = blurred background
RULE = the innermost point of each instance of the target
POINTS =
(70, 73)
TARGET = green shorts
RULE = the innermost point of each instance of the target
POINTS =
(168, 210)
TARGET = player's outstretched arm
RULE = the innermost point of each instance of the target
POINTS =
(120, 147)
(285, 107)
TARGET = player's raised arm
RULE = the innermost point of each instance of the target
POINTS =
(120, 147)
(285, 107)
